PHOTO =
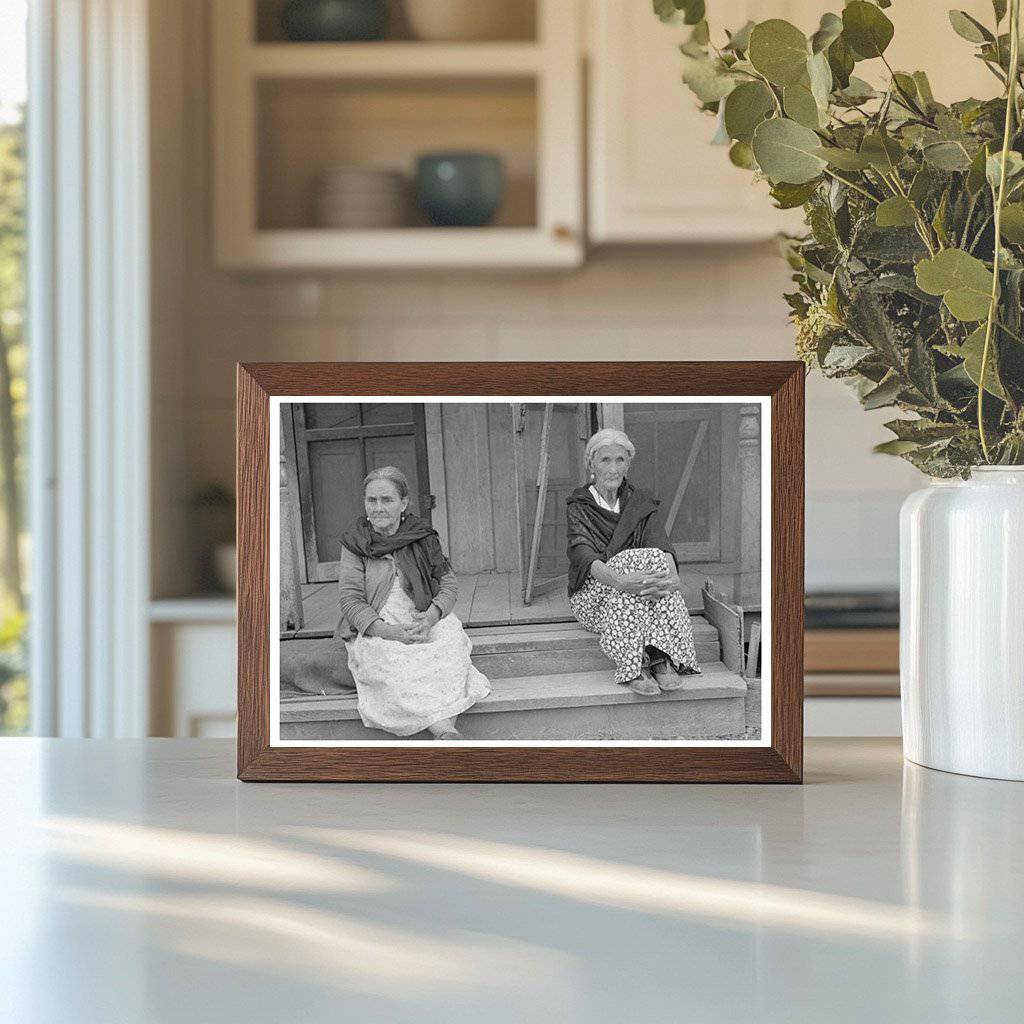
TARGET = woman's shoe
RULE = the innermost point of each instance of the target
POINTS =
(668, 679)
(644, 685)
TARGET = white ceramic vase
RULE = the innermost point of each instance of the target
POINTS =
(962, 624)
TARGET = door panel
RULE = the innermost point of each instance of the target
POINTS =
(571, 425)
(336, 445)
(333, 468)
(679, 458)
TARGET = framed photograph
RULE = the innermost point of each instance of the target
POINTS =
(578, 572)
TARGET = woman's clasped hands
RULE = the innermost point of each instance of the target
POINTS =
(652, 586)
(416, 632)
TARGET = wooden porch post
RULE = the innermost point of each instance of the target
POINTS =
(750, 490)
(291, 582)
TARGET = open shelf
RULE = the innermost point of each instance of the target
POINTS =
(309, 127)
(520, 23)
(387, 59)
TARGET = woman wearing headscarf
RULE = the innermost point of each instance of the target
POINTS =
(623, 577)
(408, 654)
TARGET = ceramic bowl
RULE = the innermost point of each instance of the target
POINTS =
(470, 20)
(460, 189)
(332, 21)
(359, 197)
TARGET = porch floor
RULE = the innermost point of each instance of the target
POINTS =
(487, 599)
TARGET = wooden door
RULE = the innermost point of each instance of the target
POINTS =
(686, 454)
(336, 445)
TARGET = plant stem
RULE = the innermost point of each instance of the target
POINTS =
(1011, 107)
(907, 99)
(853, 185)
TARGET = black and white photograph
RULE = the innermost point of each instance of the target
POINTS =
(525, 572)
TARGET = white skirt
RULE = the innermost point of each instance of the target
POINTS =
(404, 688)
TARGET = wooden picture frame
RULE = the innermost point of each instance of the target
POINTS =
(778, 759)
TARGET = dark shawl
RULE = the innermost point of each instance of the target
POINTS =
(417, 550)
(597, 534)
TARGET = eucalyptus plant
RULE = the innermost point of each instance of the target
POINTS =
(902, 289)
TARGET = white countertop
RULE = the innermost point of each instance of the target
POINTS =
(140, 882)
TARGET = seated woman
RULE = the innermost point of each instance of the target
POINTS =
(408, 654)
(623, 578)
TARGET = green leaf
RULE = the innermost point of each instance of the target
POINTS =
(969, 28)
(840, 61)
(819, 74)
(721, 136)
(923, 431)
(993, 166)
(883, 152)
(963, 281)
(779, 51)
(999, 9)
(788, 196)
(921, 370)
(739, 41)
(741, 155)
(895, 212)
(745, 108)
(801, 106)
(939, 220)
(885, 394)
(971, 352)
(844, 159)
(906, 84)
(895, 447)
(947, 156)
(701, 34)
(666, 10)
(976, 174)
(868, 319)
(689, 12)
(866, 29)
(889, 245)
(842, 358)
(924, 88)
(693, 10)
(922, 185)
(786, 151)
(1011, 225)
(829, 29)
(858, 91)
(707, 78)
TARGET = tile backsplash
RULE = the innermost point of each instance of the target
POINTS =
(708, 303)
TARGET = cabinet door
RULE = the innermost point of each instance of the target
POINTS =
(654, 176)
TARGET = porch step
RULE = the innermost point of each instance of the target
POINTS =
(503, 652)
(562, 706)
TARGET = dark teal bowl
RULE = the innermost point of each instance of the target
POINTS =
(334, 21)
(461, 190)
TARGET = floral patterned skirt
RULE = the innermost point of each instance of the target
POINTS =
(629, 623)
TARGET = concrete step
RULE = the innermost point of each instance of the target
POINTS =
(564, 706)
(504, 652)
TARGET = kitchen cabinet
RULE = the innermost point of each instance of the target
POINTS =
(287, 114)
(653, 175)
